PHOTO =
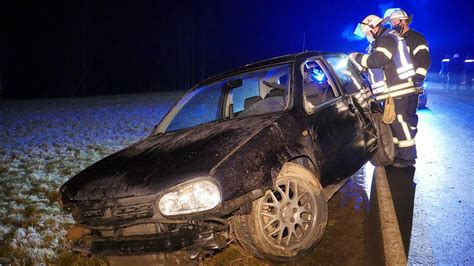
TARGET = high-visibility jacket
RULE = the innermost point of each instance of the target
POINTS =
(420, 55)
(469, 65)
(390, 66)
(444, 66)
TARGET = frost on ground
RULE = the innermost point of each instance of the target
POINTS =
(45, 142)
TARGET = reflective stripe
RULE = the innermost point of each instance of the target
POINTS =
(413, 128)
(371, 76)
(400, 86)
(384, 51)
(403, 58)
(421, 71)
(355, 82)
(407, 74)
(404, 126)
(364, 59)
(359, 67)
(379, 90)
(420, 47)
(406, 143)
(404, 68)
(378, 84)
(469, 61)
(445, 60)
(395, 94)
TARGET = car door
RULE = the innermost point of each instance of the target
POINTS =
(332, 120)
(358, 94)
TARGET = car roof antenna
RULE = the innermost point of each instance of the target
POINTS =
(304, 40)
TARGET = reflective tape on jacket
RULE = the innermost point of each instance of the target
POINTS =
(377, 81)
(378, 91)
(419, 48)
(401, 86)
(378, 84)
(363, 61)
(398, 93)
(384, 51)
(421, 71)
(406, 143)
(403, 52)
(402, 58)
(407, 74)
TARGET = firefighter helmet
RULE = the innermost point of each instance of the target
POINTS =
(367, 24)
(398, 13)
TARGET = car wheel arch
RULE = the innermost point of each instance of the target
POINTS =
(306, 162)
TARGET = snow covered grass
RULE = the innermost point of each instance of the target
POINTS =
(43, 143)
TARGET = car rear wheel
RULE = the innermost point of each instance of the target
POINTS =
(385, 153)
(288, 221)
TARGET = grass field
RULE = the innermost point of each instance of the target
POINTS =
(42, 144)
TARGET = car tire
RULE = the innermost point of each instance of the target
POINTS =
(385, 153)
(288, 221)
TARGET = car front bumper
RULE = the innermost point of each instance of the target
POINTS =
(192, 238)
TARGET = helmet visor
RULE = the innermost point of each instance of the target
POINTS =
(361, 30)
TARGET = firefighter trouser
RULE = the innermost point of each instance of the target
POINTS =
(444, 80)
(469, 76)
(404, 127)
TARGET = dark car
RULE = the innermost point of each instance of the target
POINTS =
(250, 155)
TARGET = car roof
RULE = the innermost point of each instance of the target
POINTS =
(267, 62)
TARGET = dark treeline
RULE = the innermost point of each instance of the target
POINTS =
(78, 48)
(56, 48)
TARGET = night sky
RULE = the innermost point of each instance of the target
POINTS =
(79, 48)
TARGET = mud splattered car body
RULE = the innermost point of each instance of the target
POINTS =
(220, 150)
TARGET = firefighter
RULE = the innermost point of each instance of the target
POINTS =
(444, 72)
(390, 70)
(420, 56)
(456, 68)
(469, 71)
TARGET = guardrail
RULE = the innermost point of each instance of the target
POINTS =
(391, 239)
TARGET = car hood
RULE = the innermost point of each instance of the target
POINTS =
(162, 161)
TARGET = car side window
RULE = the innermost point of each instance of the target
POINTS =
(262, 91)
(316, 86)
(347, 75)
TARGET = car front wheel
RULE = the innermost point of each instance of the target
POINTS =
(288, 221)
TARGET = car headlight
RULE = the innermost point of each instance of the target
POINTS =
(188, 198)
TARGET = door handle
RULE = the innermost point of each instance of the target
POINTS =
(352, 108)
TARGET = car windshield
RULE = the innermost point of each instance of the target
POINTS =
(249, 94)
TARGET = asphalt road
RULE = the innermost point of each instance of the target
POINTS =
(443, 222)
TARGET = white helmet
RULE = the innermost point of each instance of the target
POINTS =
(368, 23)
(397, 13)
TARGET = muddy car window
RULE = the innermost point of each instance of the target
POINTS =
(316, 86)
(249, 94)
(346, 74)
